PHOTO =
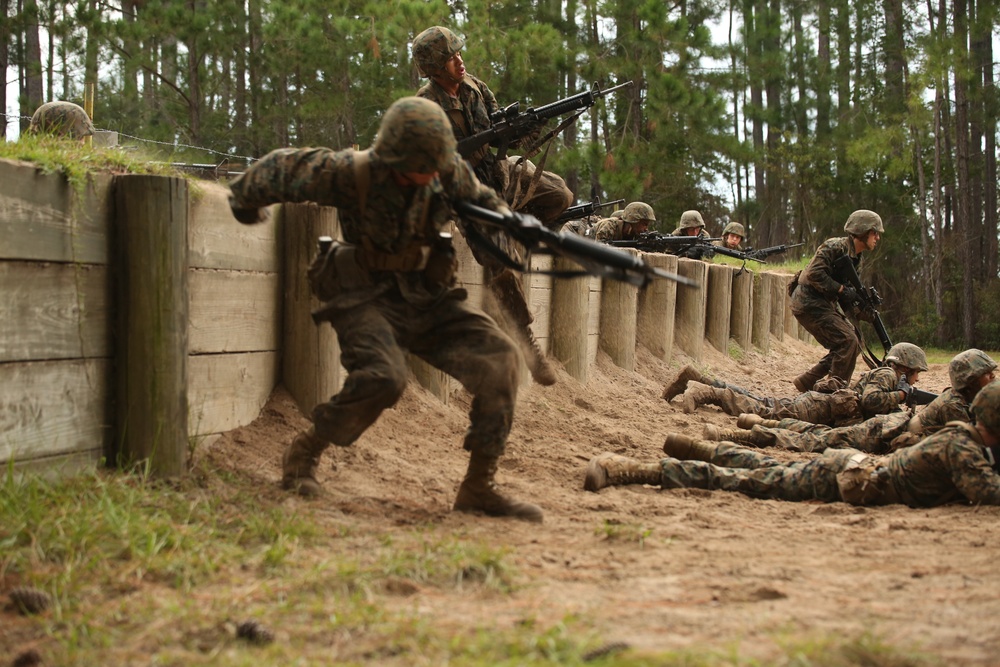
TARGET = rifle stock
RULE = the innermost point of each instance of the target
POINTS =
(596, 258)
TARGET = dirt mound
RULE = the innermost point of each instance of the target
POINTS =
(658, 570)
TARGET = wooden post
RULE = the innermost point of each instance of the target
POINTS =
(151, 403)
(761, 331)
(791, 324)
(310, 368)
(619, 310)
(741, 322)
(570, 317)
(778, 298)
(689, 318)
(657, 303)
(720, 305)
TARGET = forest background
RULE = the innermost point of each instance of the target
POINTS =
(786, 120)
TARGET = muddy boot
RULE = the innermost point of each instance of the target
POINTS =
(749, 420)
(613, 470)
(299, 463)
(738, 435)
(698, 394)
(677, 387)
(478, 493)
(806, 381)
(539, 365)
(686, 448)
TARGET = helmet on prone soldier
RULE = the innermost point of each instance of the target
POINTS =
(863, 221)
(415, 136)
(639, 211)
(967, 367)
(690, 219)
(61, 119)
(907, 355)
(434, 47)
(734, 228)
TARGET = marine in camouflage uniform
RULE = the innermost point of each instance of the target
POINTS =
(468, 103)
(634, 220)
(815, 292)
(879, 391)
(61, 119)
(956, 464)
(732, 237)
(692, 224)
(582, 227)
(971, 370)
(387, 289)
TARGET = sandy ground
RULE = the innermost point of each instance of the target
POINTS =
(659, 570)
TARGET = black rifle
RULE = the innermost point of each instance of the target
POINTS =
(916, 396)
(657, 242)
(584, 210)
(596, 258)
(509, 125)
(764, 253)
(707, 251)
(866, 302)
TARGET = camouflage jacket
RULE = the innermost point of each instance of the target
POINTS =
(582, 227)
(817, 284)
(395, 218)
(609, 229)
(878, 392)
(950, 406)
(950, 465)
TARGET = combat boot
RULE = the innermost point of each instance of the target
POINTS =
(699, 394)
(742, 436)
(539, 365)
(806, 381)
(478, 492)
(609, 469)
(686, 448)
(299, 463)
(748, 421)
(680, 383)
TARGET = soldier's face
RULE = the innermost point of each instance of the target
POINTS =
(692, 231)
(913, 376)
(455, 67)
(732, 240)
(872, 240)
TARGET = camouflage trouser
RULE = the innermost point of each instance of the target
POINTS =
(872, 435)
(832, 330)
(811, 406)
(549, 198)
(449, 335)
(755, 474)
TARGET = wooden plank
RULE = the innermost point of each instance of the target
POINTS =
(234, 311)
(657, 304)
(53, 311)
(61, 465)
(719, 308)
(689, 315)
(50, 408)
(217, 241)
(226, 391)
(618, 316)
(568, 339)
(153, 297)
(43, 219)
(761, 324)
(740, 324)
(310, 367)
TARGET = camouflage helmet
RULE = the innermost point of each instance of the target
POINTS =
(985, 407)
(907, 355)
(863, 221)
(690, 219)
(434, 47)
(966, 367)
(63, 119)
(415, 136)
(617, 214)
(734, 228)
(638, 211)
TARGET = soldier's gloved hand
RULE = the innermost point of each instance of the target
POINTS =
(248, 216)
(907, 390)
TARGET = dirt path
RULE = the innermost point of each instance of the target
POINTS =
(659, 570)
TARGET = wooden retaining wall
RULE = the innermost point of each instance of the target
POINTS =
(140, 319)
